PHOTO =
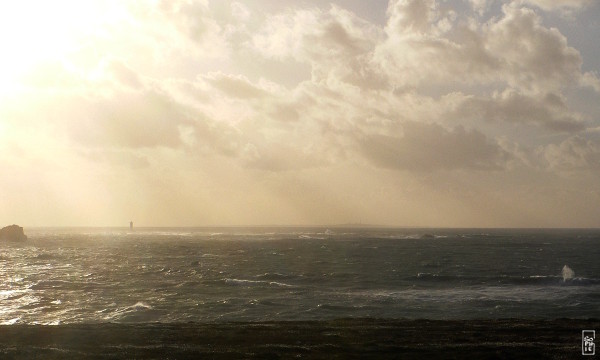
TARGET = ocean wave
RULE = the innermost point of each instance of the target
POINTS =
(310, 237)
(138, 312)
(139, 278)
(12, 294)
(581, 281)
(55, 284)
(10, 321)
(50, 284)
(336, 307)
(273, 276)
(139, 305)
(255, 282)
(47, 256)
(501, 295)
(265, 302)
(505, 279)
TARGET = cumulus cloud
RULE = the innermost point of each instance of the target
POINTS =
(565, 7)
(549, 111)
(480, 6)
(334, 42)
(515, 49)
(591, 79)
(358, 72)
(559, 4)
(535, 57)
(430, 147)
(235, 86)
(574, 153)
(311, 35)
(410, 16)
(190, 17)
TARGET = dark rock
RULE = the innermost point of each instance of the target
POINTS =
(12, 233)
(427, 236)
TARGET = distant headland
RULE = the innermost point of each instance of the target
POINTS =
(12, 233)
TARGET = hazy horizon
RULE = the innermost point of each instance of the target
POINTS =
(204, 113)
(300, 226)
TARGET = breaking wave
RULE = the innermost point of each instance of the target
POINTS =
(505, 279)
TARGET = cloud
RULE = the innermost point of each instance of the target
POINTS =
(480, 6)
(574, 153)
(191, 17)
(359, 71)
(162, 38)
(235, 86)
(514, 49)
(122, 73)
(314, 35)
(534, 56)
(213, 107)
(563, 7)
(425, 44)
(559, 4)
(240, 12)
(410, 16)
(549, 111)
(143, 119)
(591, 79)
(335, 43)
(430, 147)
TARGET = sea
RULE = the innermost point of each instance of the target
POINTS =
(178, 275)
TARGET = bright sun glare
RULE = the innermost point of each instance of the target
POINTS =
(35, 35)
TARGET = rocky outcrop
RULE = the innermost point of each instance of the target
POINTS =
(12, 233)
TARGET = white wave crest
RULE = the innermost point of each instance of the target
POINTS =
(567, 273)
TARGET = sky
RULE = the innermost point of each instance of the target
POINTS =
(439, 113)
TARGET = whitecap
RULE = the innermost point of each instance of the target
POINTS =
(11, 321)
(311, 237)
(139, 305)
(251, 282)
(567, 273)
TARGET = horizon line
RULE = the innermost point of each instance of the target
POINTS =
(348, 225)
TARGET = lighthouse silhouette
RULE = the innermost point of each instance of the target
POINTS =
(131, 225)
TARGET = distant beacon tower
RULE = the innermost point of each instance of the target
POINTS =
(131, 225)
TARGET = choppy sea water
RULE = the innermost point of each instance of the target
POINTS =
(64, 276)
